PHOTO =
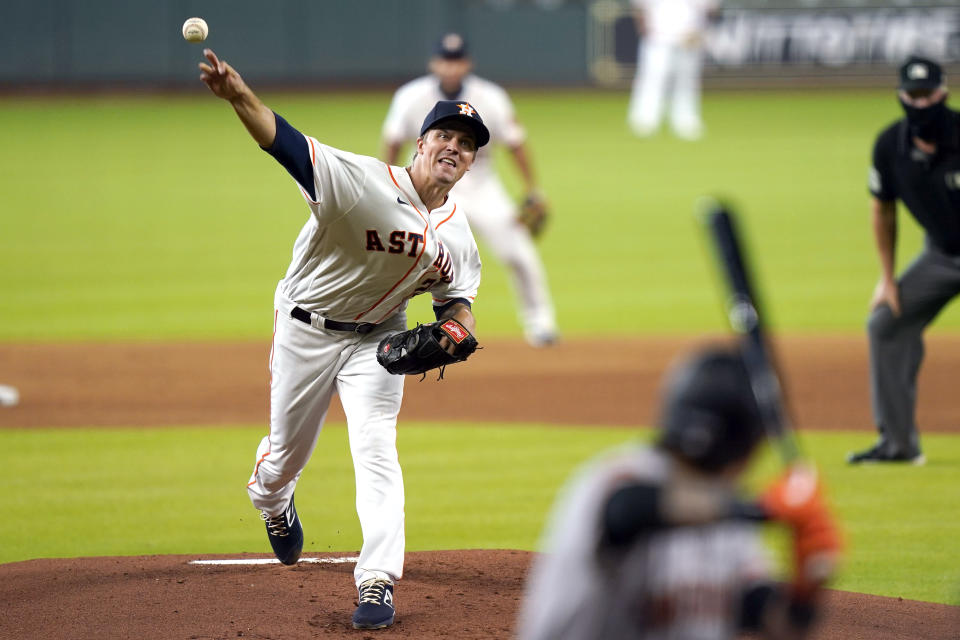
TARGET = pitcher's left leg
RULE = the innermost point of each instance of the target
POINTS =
(371, 400)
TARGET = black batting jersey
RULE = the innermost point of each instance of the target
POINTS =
(929, 186)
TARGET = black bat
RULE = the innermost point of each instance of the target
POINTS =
(747, 322)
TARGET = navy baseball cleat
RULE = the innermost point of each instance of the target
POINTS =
(285, 533)
(375, 609)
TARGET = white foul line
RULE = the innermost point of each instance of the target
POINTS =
(274, 561)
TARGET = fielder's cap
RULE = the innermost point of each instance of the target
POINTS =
(920, 73)
(451, 46)
(461, 111)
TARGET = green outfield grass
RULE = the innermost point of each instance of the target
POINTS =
(155, 218)
(91, 492)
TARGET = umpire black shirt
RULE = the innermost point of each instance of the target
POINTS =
(929, 186)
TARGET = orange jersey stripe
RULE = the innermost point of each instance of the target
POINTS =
(448, 217)
(415, 262)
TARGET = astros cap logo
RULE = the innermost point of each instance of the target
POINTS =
(466, 109)
(452, 41)
(916, 72)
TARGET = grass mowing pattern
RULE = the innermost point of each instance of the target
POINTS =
(91, 492)
(158, 218)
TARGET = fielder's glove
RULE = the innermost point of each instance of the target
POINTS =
(533, 214)
(418, 350)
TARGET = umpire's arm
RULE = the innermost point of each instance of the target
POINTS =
(884, 220)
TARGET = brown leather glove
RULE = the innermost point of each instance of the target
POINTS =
(533, 214)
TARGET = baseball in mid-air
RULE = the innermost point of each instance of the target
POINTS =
(195, 30)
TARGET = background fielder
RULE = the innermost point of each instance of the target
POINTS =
(669, 65)
(491, 212)
(376, 236)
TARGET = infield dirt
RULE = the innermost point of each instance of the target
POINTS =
(596, 382)
(463, 594)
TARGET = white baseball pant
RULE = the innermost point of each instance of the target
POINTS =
(307, 365)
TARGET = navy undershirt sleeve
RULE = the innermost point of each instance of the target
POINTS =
(440, 310)
(290, 149)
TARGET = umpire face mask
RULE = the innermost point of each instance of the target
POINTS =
(927, 116)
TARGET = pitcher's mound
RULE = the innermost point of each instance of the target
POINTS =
(444, 594)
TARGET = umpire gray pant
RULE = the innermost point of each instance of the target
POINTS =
(896, 346)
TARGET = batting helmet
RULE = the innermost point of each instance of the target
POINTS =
(709, 416)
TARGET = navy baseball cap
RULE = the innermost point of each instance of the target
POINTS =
(451, 46)
(920, 73)
(461, 111)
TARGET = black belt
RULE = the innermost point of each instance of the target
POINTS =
(298, 313)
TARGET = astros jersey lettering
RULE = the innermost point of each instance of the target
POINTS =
(370, 244)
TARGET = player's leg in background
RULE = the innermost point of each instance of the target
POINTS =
(495, 222)
(685, 118)
(371, 399)
(649, 88)
(303, 363)
(896, 348)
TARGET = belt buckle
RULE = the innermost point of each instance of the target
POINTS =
(364, 327)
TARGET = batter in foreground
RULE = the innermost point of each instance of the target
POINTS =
(655, 543)
(376, 236)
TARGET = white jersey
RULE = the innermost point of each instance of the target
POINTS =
(371, 245)
(675, 21)
(671, 584)
(417, 97)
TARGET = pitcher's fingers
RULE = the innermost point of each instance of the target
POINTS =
(214, 60)
(205, 67)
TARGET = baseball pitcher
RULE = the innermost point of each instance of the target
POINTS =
(376, 235)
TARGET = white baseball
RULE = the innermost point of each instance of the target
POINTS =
(9, 396)
(195, 30)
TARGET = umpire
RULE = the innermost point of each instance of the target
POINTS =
(915, 160)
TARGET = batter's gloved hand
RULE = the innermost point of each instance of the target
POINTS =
(796, 499)
(533, 213)
(419, 350)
